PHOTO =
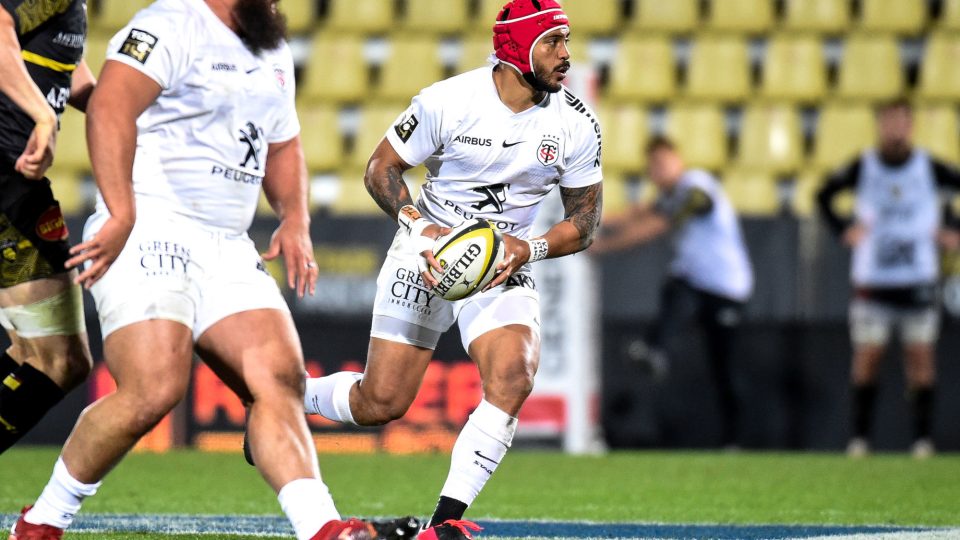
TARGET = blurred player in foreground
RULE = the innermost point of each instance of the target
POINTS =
(495, 141)
(194, 112)
(710, 278)
(40, 307)
(894, 235)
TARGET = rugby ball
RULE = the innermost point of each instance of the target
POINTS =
(469, 255)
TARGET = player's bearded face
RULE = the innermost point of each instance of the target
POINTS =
(551, 60)
(259, 24)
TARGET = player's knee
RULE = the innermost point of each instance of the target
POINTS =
(382, 405)
(77, 363)
(152, 404)
(510, 384)
(275, 382)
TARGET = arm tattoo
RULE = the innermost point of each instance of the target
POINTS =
(582, 208)
(389, 190)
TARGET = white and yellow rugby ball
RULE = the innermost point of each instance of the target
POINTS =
(469, 255)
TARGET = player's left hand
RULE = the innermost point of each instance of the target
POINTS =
(516, 254)
(37, 157)
(292, 240)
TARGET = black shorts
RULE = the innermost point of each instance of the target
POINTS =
(33, 234)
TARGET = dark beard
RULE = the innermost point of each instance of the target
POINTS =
(539, 83)
(259, 24)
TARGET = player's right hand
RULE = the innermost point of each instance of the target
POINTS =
(100, 251)
(37, 156)
(422, 246)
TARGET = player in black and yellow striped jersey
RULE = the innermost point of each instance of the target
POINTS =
(41, 71)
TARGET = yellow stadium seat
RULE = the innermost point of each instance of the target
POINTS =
(616, 193)
(367, 16)
(347, 81)
(794, 69)
(748, 16)
(72, 189)
(719, 69)
(112, 15)
(95, 52)
(352, 197)
(625, 133)
(674, 16)
(699, 131)
(487, 16)
(771, 139)
(843, 130)
(593, 17)
(824, 16)
(435, 16)
(870, 68)
(375, 119)
(320, 136)
(939, 74)
(937, 130)
(752, 193)
(898, 16)
(644, 70)
(803, 200)
(71, 150)
(950, 17)
(301, 15)
(400, 77)
(474, 52)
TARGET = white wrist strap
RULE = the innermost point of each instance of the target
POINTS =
(538, 249)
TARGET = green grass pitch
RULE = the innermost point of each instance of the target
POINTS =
(667, 487)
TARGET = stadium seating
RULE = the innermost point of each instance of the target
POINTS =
(699, 130)
(803, 201)
(616, 193)
(593, 17)
(71, 189)
(352, 197)
(936, 129)
(899, 16)
(71, 150)
(96, 51)
(753, 193)
(368, 16)
(870, 69)
(823, 16)
(487, 15)
(719, 69)
(843, 130)
(625, 132)
(375, 119)
(320, 136)
(950, 18)
(474, 52)
(794, 69)
(643, 70)
(747, 16)
(674, 16)
(435, 16)
(348, 82)
(112, 15)
(401, 79)
(771, 139)
(939, 75)
(301, 15)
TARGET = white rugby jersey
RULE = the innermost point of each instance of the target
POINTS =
(202, 145)
(710, 252)
(486, 161)
(900, 209)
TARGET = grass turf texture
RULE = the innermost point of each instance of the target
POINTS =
(676, 487)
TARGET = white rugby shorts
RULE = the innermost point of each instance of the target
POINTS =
(176, 269)
(406, 312)
(872, 322)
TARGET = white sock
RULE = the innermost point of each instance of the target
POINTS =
(330, 396)
(480, 447)
(308, 505)
(61, 499)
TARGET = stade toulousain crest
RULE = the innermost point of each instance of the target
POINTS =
(548, 153)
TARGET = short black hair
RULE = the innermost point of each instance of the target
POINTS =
(659, 142)
(899, 102)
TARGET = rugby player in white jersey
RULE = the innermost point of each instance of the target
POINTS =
(710, 277)
(894, 233)
(195, 111)
(495, 141)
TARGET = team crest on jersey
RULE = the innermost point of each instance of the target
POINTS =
(252, 138)
(138, 45)
(406, 127)
(281, 76)
(548, 153)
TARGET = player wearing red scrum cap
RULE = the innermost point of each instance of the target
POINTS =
(496, 141)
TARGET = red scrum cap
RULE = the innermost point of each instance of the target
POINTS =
(520, 25)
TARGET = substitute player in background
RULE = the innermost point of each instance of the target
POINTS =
(710, 277)
(495, 141)
(894, 234)
(40, 307)
(168, 260)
